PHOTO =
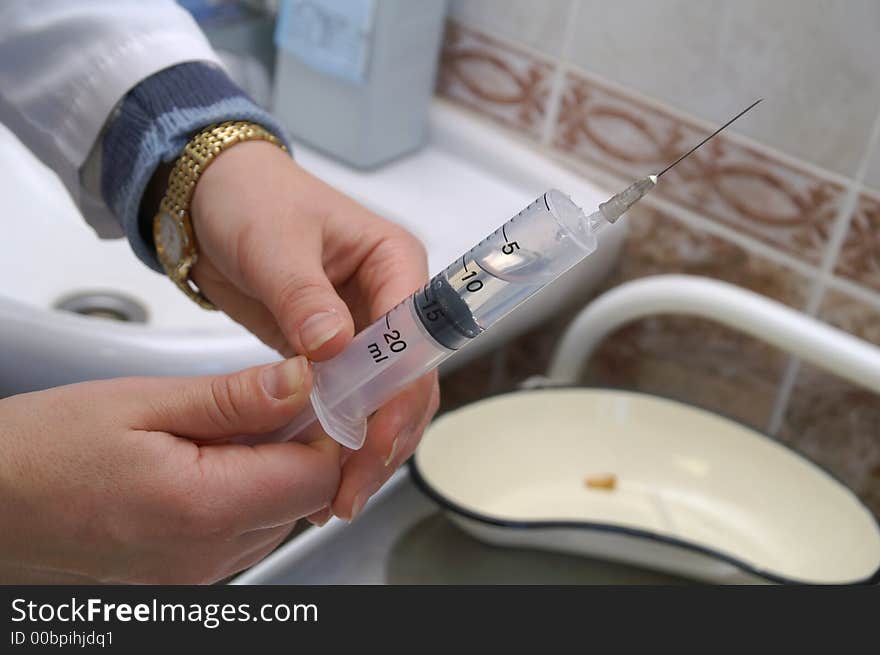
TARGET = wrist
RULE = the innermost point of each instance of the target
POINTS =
(173, 232)
(235, 176)
(152, 125)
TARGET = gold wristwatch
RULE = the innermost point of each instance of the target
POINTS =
(173, 233)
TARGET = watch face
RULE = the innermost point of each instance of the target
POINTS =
(170, 239)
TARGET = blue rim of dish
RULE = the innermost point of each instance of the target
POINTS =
(450, 505)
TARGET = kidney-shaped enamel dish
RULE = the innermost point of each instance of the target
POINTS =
(693, 493)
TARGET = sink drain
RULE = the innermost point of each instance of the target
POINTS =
(104, 304)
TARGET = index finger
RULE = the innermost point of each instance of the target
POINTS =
(394, 268)
(394, 432)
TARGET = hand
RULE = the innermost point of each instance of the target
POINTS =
(130, 480)
(303, 267)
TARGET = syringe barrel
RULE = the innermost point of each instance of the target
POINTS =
(502, 271)
(506, 268)
(381, 360)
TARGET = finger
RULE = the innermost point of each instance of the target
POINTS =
(391, 271)
(409, 447)
(254, 401)
(320, 518)
(268, 485)
(241, 308)
(287, 275)
(271, 242)
(393, 433)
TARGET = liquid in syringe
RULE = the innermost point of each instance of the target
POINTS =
(456, 306)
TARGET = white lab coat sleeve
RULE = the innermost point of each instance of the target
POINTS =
(64, 66)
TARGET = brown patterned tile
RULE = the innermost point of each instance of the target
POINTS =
(507, 84)
(860, 255)
(852, 315)
(466, 384)
(837, 425)
(691, 359)
(695, 361)
(659, 243)
(725, 181)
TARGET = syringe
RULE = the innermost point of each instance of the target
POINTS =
(457, 305)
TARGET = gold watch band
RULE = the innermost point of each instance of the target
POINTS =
(179, 259)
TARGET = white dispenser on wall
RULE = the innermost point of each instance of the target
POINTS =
(354, 78)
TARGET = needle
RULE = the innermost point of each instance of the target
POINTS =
(689, 152)
(614, 207)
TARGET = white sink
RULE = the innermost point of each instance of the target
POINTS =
(470, 178)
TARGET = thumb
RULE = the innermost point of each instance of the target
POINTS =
(254, 401)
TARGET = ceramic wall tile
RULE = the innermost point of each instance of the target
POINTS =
(859, 257)
(657, 243)
(837, 425)
(510, 85)
(782, 204)
(695, 360)
(466, 384)
(636, 75)
(539, 25)
(872, 176)
(814, 61)
(852, 315)
(833, 421)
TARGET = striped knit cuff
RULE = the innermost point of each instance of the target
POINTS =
(152, 125)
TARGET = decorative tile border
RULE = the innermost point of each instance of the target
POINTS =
(507, 84)
(769, 199)
(723, 181)
(860, 255)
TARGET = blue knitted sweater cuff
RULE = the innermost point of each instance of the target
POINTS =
(153, 124)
